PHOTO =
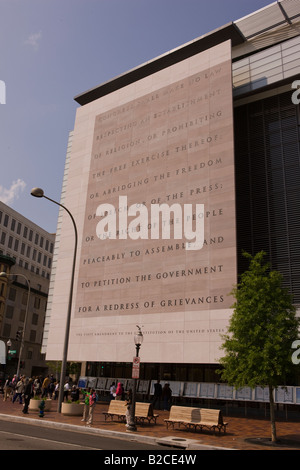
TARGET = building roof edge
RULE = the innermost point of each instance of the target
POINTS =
(227, 32)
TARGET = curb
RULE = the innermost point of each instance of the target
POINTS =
(75, 428)
(168, 442)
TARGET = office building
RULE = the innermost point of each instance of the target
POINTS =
(213, 123)
(26, 252)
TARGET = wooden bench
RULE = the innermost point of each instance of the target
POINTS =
(193, 418)
(143, 411)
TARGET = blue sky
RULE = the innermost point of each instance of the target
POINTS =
(53, 50)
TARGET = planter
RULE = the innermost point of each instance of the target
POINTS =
(72, 409)
(34, 405)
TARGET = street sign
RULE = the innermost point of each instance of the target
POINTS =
(136, 368)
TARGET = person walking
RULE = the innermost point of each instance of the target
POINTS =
(112, 391)
(56, 391)
(7, 389)
(45, 386)
(167, 396)
(51, 387)
(157, 394)
(92, 404)
(74, 393)
(28, 394)
(37, 386)
(86, 394)
(19, 391)
(119, 391)
(66, 390)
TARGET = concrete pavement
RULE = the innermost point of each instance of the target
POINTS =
(242, 433)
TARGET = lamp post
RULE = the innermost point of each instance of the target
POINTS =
(5, 275)
(38, 192)
(8, 344)
(138, 340)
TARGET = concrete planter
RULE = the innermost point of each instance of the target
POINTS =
(34, 405)
(72, 409)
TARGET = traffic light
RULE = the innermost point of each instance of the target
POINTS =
(18, 335)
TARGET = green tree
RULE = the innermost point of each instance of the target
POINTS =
(72, 368)
(261, 331)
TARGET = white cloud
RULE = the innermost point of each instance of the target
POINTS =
(33, 40)
(9, 195)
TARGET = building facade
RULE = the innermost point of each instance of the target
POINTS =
(26, 252)
(210, 128)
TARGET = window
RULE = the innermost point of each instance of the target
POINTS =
(3, 236)
(32, 336)
(9, 311)
(10, 242)
(13, 225)
(12, 294)
(22, 316)
(29, 353)
(35, 319)
(37, 302)
(24, 298)
(7, 330)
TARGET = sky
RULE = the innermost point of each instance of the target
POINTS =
(53, 50)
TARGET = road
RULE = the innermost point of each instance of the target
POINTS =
(19, 436)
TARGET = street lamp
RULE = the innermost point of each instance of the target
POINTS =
(138, 340)
(8, 344)
(38, 192)
(5, 275)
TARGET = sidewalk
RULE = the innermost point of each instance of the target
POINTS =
(239, 429)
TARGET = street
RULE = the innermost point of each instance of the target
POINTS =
(19, 436)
